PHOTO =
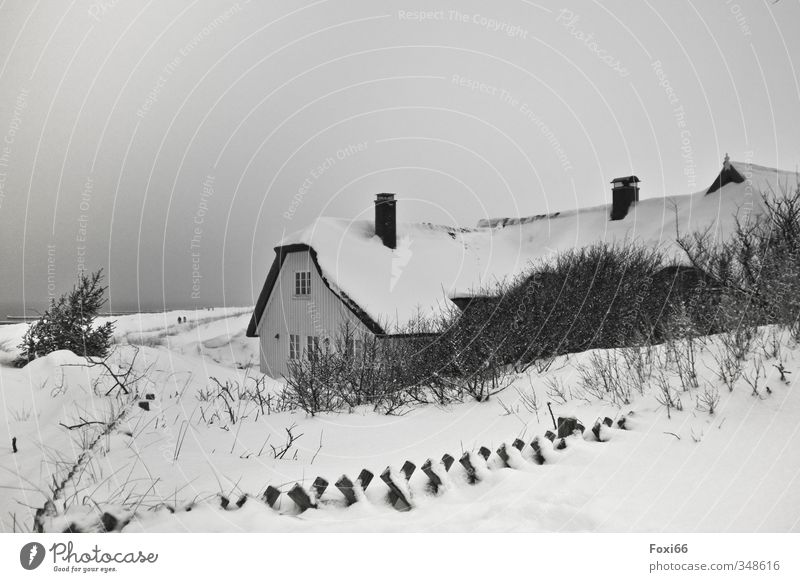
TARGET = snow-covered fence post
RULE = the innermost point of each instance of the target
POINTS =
(108, 522)
(271, 495)
(597, 430)
(484, 452)
(558, 443)
(567, 426)
(447, 461)
(301, 497)
(345, 485)
(397, 498)
(319, 486)
(434, 481)
(538, 457)
(466, 462)
(225, 503)
(365, 478)
(503, 454)
(518, 444)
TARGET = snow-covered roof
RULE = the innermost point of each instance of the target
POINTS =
(434, 263)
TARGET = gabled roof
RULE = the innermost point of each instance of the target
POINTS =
(728, 174)
(263, 298)
(433, 264)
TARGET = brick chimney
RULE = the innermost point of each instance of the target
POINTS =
(386, 219)
(623, 195)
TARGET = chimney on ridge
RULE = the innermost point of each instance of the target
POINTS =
(386, 219)
(624, 194)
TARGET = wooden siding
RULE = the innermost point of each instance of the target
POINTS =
(321, 314)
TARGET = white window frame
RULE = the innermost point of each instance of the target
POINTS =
(294, 346)
(312, 345)
(302, 283)
(356, 348)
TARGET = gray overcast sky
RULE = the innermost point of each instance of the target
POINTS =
(165, 139)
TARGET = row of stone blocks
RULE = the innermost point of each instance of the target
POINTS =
(397, 496)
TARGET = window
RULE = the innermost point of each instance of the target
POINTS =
(312, 346)
(355, 348)
(294, 347)
(302, 283)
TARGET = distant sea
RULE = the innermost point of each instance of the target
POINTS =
(11, 311)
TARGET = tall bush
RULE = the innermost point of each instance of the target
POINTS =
(757, 271)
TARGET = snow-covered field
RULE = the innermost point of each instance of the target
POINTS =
(737, 469)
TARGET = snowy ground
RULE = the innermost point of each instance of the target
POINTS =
(735, 470)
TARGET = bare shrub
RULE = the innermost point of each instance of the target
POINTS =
(233, 401)
(389, 373)
(483, 382)
(282, 450)
(771, 343)
(708, 400)
(557, 390)
(604, 378)
(314, 381)
(639, 361)
(683, 343)
(753, 376)
(756, 272)
(728, 366)
(530, 400)
(739, 341)
(473, 352)
(666, 395)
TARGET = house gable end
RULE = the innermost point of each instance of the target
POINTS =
(280, 257)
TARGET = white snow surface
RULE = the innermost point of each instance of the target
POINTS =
(432, 263)
(736, 470)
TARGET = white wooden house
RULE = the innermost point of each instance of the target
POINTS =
(375, 276)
